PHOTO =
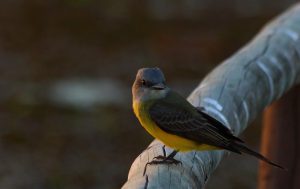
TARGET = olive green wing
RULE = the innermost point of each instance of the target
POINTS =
(191, 124)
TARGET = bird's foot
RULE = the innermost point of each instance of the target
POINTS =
(163, 160)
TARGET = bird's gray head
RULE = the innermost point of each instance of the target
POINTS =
(149, 84)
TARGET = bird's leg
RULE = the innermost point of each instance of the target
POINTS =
(163, 159)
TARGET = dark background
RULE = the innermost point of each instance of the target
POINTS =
(66, 69)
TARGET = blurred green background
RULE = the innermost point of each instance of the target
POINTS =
(66, 69)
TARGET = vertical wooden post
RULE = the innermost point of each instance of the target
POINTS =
(281, 143)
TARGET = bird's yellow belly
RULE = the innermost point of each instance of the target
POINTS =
(170, 140)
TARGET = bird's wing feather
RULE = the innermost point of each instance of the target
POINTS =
(198, 127)
(217, 124)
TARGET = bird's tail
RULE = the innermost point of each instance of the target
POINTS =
(244, 149)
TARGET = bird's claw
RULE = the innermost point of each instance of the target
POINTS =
(160, 157)
(162, 160)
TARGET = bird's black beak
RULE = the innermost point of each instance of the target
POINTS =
(159, 86)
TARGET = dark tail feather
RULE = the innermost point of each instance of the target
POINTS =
(245, 149)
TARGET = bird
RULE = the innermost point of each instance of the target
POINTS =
(171, 119)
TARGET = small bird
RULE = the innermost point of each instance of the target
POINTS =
(170, 118)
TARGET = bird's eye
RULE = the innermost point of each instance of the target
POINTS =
(143, 82)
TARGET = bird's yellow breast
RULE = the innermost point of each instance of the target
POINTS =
(176, 142)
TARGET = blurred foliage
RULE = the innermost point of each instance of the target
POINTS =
(88, 141)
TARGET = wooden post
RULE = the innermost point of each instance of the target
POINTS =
(281, 142)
